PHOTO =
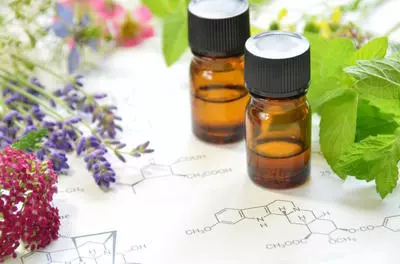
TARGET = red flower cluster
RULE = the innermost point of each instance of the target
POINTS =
(27, 186)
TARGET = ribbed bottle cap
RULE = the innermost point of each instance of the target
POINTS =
(277, 64)
(218, 28)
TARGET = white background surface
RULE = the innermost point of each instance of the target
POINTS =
(152, 221)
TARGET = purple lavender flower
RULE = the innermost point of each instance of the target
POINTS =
(94, 153)
(105, 118)
(37, 113)
(28, 129)
(60, 161)
(59, 140)
(73, 120)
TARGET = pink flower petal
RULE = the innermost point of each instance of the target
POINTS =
(131, 42)
(142, 14)
(105, 12)
(71, 43)
(147, 32)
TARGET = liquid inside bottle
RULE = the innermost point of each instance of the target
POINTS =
(218, 99)
(278, 134)
(279, 163)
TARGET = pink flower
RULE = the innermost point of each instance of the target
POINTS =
(107, 9)
(134, 30)
(142, 14)
(26, 202)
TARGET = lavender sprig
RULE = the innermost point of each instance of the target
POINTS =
(23, 103)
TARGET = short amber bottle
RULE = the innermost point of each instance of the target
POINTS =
(278, 117)
(218, 30)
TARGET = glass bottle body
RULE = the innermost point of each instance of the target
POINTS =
(278, 141)
(218, 98)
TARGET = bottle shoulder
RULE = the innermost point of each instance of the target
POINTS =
(217, 64)
(264, 109)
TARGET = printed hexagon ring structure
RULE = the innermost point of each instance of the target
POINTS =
(129, 176)
(229, 216)
(322, 226)
(392, 223)
(255, 212)
(156, 171)
(301, 217)
(36, 257)
(281, 207)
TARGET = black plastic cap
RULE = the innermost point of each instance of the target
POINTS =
(277, 65)
(218, 28)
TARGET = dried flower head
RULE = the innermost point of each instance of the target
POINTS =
(27, 186)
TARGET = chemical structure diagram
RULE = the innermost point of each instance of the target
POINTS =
(154, 170)
(307, 219)
(88, 249)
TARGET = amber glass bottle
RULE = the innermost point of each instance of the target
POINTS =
(278, 117)
(218, 30)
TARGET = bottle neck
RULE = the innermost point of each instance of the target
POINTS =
(282, 103)
(204, 58)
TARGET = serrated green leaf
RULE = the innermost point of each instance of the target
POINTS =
(375, 49)
(328, 58)
(338, 126)
(371, 121)
(388, 106)
(374, 158)
(175, 39)
(31, 141)
(379, 78)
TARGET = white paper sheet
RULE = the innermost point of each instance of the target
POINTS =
(192, 202)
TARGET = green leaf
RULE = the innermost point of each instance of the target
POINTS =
(163, 8)
(374, 158)
(31, 141)
(394, 50)
(371, 121)
(258, 2)
(388, 106)
(256, 30)
(338, 126)
(375, 49)
(175, 39)
(380, 78)
(328, 58)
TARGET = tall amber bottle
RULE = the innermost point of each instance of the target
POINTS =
(278, 117)
(218, 30)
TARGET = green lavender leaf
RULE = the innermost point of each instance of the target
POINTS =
(375, 49)
(31, 141)
(175, 39)
(374, 158)
(338, 126)
(379, 78)
(372, 122)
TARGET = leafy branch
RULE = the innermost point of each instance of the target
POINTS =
(356, 93)
(173, 14)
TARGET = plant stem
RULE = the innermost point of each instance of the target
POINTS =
(48, 70)
(393, 29)
(29, 96)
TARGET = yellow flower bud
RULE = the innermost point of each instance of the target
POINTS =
(336, 15)
(283, 13)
